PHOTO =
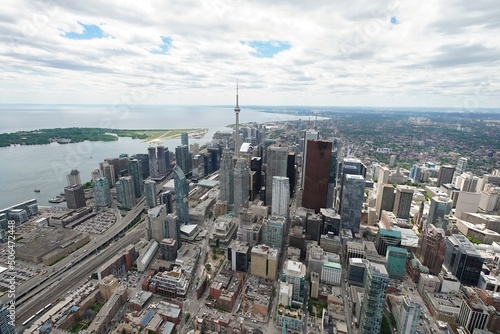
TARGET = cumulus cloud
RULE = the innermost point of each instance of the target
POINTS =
(371, 53)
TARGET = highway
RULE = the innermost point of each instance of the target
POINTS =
(55, 288)
(79, 265)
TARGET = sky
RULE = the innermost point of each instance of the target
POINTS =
(312, 53)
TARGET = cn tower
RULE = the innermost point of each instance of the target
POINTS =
(237, 131)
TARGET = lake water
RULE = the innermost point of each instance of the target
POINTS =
(44, 167)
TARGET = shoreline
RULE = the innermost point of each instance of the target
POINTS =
(94, 135)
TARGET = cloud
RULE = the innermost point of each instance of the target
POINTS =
(389, 52)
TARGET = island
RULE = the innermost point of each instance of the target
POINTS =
(75, 135)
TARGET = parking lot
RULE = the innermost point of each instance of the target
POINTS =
(132, 279)
(21, 272)
(97, 224)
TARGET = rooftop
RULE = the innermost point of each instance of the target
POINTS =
(390, 233)
(333, 265)
(464, 243)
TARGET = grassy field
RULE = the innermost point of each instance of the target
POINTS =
(76, 135)
(162, 134)
(154, 135)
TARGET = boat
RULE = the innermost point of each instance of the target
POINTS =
(57, 199)
(37, 190)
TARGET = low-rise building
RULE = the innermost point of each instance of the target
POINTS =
(478, 232)
(147, 255)
(291, 318)
(139, 299)
(103, 319)
(331, 273)
(225, 288)
(443, 306)
(224, 230)
(171, 284)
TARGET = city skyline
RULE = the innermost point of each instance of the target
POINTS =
(326, 54)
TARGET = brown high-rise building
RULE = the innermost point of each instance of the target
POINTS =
(385, 199)
(75, 196)
(445, 175)
(318, 158)
(433, 249)
(402, 202)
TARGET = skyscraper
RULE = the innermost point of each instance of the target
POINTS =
(167, 160)
(160, 155)
(294, 273)
(173, 228)
(402, 202)
(185, 139)
(198, 166)
(467, 182)
(213, 159)
(238, 254)
(308, 135)
(291, 172)
(181, 195)
(123, 162)
(136, 173)
(273, 232)
(376, 281)
(440, 208)
(281, 195)
(96, 173)
(226, 177)
(125, 192)
(156, 223)
(332, 178)
(352, 201)
(463, 260)
(153, 163)
(445, 175)
(73, 177)
(144, 162)
(396, 262)
(115, 163)
(317, 174)
(409, 315)
(264, 262)
(433, 249)
(461, 166)
(256, 166)
(75, 196)
(108, 172)
(386, 238)
(276, 166)
(166, 199)
(245, 230)
(102, 193)
(241, 184)
(349, 166)
(150, 191)
(385, 199)
(182, 158)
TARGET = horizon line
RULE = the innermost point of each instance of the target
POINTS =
(458, 109)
